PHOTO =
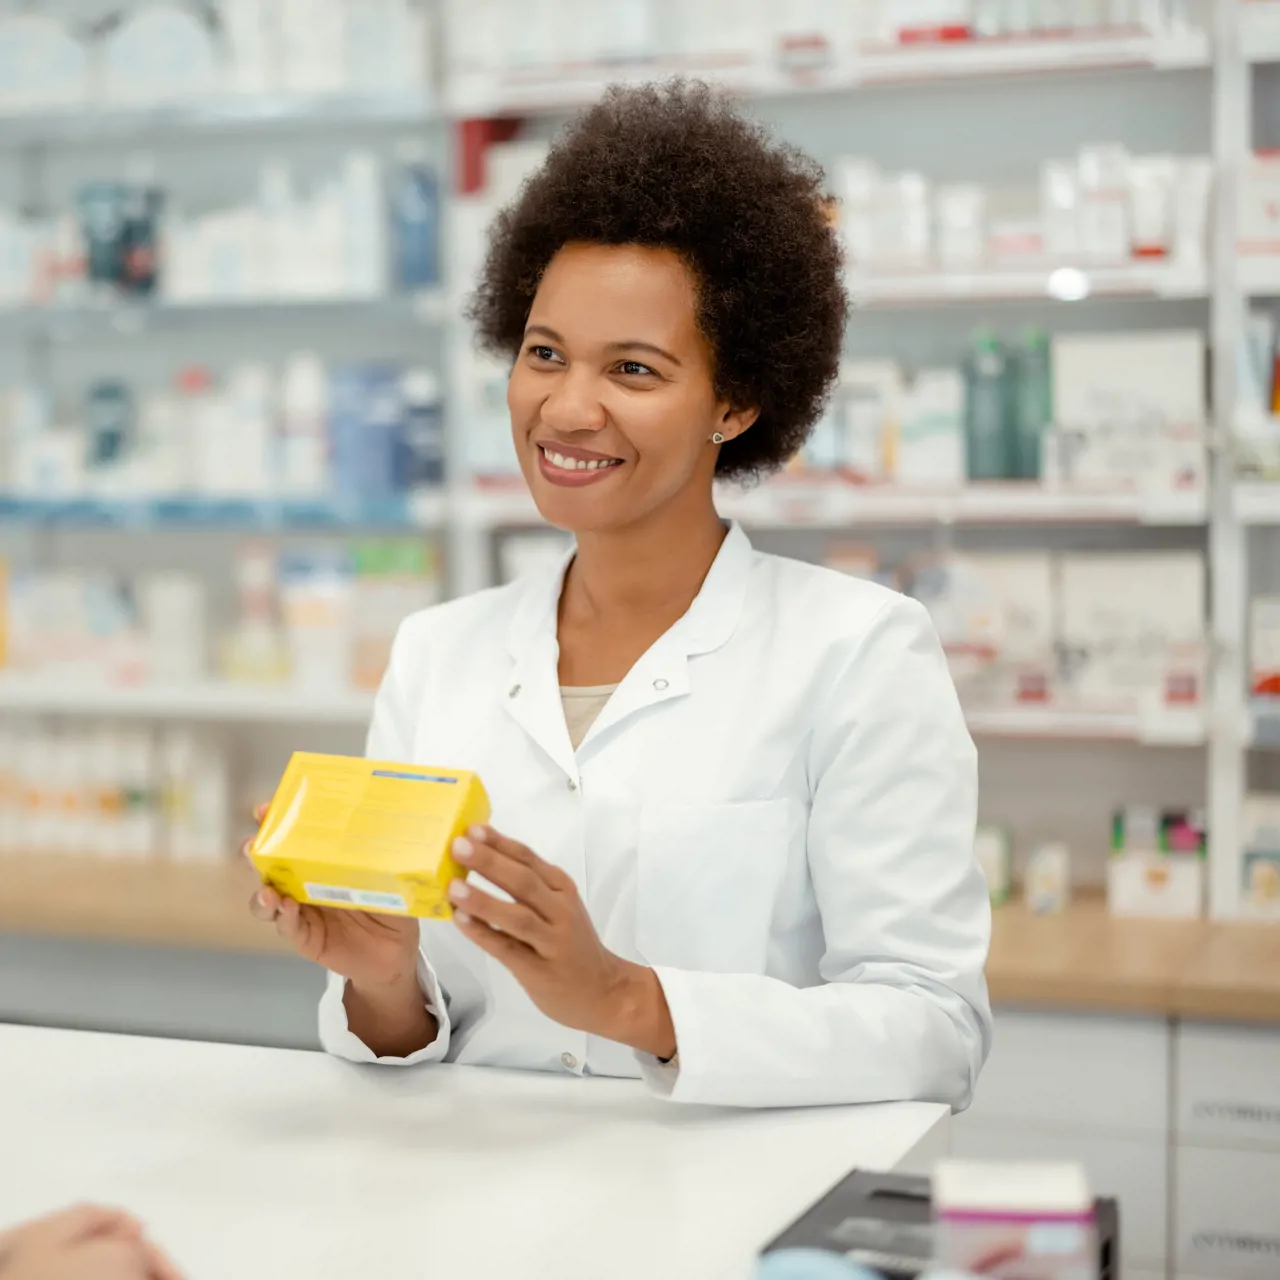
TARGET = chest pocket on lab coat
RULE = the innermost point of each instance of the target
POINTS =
(708, 880)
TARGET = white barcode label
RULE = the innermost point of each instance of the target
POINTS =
(356, 897)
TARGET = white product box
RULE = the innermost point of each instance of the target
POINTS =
(1264, 646)
(929, 450)
(1128, 378)
(1169, 886)
(1048, 887)
(1258, 212)
(994, 615)
(862, 422)
(1133, 626)
(1132, 1168)
(1260, 840)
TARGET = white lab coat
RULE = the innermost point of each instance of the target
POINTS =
(775, 810)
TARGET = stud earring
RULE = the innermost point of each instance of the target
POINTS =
(717, 438)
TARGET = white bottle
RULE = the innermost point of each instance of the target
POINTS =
(364, 226)
(248, 444)
(304, 427)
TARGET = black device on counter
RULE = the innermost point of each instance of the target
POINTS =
(885, 1221)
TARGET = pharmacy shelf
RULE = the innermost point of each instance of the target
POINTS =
(147, 901)
(279, 112)
(1258, 502)
(1051, 284)
(833, 504)
(128, 319)
(420, 511)
(1264, 718)
(1162, 729)
(562, 88)
(210, 701)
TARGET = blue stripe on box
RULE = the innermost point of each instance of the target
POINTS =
(413, 777)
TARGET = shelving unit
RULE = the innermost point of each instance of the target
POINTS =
(469, 513)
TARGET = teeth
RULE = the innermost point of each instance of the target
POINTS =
(576, 464)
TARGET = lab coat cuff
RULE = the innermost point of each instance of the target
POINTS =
(670, 1079)
(337, 1038)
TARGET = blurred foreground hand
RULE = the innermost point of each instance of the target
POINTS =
(85, 1243)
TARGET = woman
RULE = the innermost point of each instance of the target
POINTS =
(733, 794)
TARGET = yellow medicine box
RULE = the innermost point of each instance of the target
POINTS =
(367, 835)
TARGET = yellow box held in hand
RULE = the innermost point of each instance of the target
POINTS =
(367, 835)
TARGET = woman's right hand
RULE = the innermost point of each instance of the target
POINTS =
(375, 952)
(86, 1243)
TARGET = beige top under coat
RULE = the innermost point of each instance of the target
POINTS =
(581, 707)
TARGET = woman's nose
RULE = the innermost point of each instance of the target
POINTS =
(574, 404)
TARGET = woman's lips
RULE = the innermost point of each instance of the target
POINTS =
(573, 472)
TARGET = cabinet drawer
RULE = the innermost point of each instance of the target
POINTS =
(1227, 1212)
(1229, 1085)
(1061, 1069)
(1134, 1170)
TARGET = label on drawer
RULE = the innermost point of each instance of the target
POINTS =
(1227, 1214)
(1229, 1085)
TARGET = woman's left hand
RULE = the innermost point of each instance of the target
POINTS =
(546, 939)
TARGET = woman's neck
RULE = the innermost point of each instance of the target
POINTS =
(627, 587)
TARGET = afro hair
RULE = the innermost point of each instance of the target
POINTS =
(677, 166)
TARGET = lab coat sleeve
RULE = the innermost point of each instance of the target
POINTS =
(390, 738)
(902, 1010)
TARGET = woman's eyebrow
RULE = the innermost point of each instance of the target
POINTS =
(543, 331)
(643, 346)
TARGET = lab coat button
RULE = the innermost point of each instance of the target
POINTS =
(573, 786)
(515, 690)
(569, 1061)
(659, 685)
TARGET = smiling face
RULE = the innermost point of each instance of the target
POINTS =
(612, 396)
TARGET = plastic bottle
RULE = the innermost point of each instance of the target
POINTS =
(304, 427)
(987, 405)
(1033, 403)
(415, 211)
(420, 450)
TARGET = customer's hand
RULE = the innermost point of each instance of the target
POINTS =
(548, 942)
(375, 951)
(86, 1243)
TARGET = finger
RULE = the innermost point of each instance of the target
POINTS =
(260, 811)
(547, 871)
(244, 849)
(159, 1265)
(82, 1222)
(512, 918)
(112, 1258)
(519, 879)
(506, 950)
(265, 905)
(301, 928)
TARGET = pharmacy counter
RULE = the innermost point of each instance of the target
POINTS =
(1088, 961)
(258, 1163)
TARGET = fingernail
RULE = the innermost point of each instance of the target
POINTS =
(460, 917)
(458, 891)
(262, 897)
(479, 833)
(462, 849)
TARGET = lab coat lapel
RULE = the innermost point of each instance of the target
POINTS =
(532, 695)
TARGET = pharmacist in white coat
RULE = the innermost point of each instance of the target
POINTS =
(733, 794)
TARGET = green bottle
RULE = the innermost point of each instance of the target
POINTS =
(987, 423)
(1033, 403)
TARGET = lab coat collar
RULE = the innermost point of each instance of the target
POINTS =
(533, 695)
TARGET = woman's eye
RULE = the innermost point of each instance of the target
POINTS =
(633, 368)
(542, 353)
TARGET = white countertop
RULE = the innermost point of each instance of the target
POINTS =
(252, 1163)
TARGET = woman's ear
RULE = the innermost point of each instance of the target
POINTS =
(733, 422)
